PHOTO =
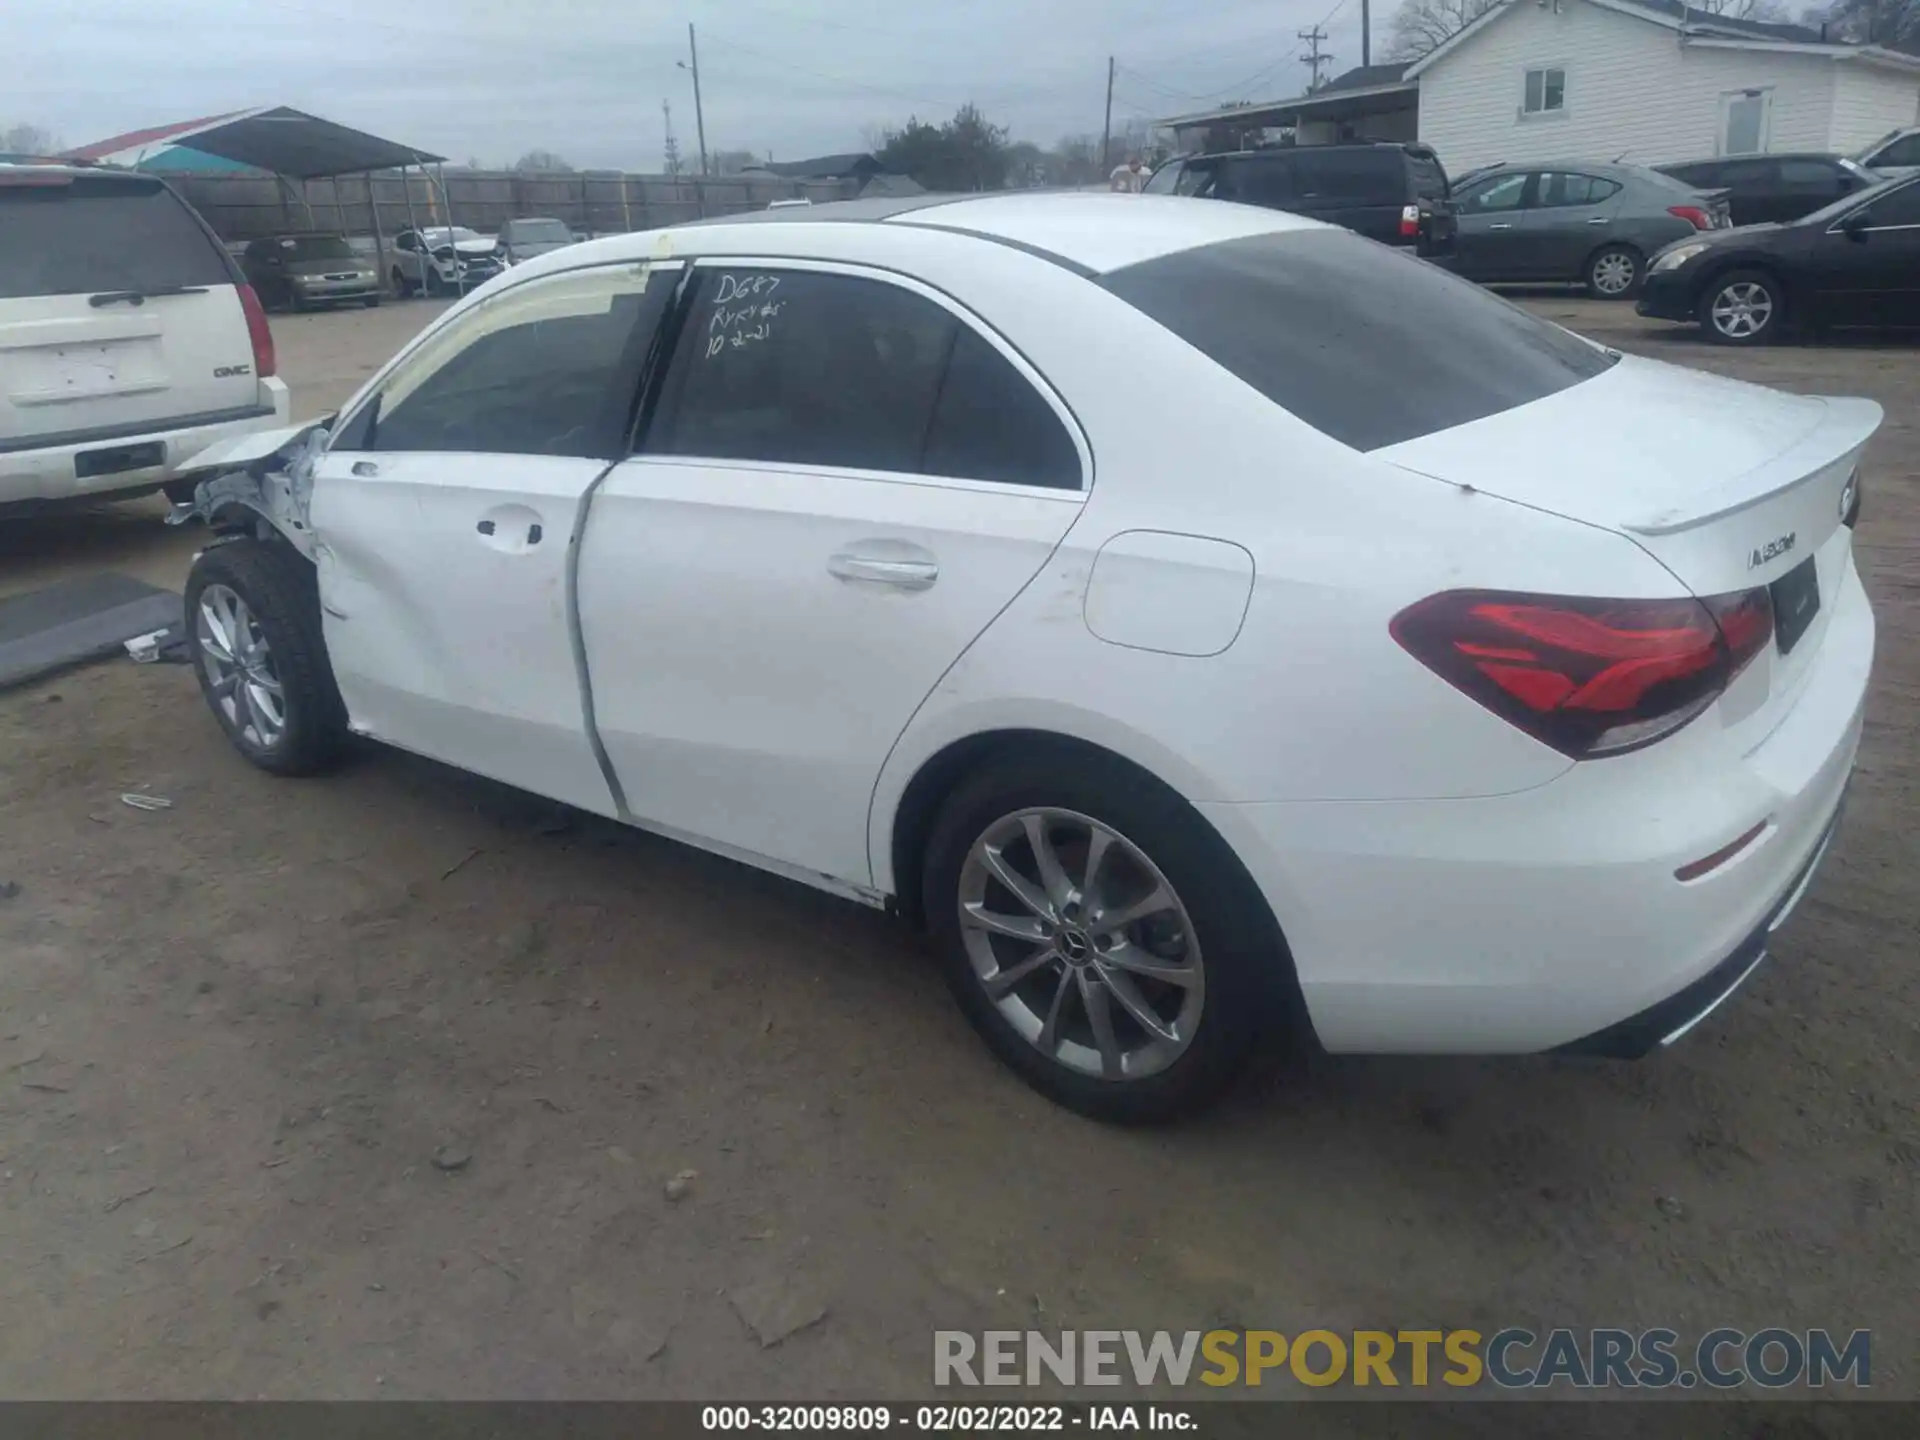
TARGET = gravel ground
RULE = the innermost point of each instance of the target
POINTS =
(374, 1086)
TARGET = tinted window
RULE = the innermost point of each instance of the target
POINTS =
(1749, 175)
(1264, 181)
(1503, 192)
(1366, 345)
(814, 369)
(1902, 207)
(990, 424)
(1901, 152)
(1429, 180)
(97, 234)
(1164, 179)
(1707, 176)
(533, 371)
(1557, 188)
(1350, 177)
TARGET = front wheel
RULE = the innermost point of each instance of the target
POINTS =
(401, 289)
(1100, 937)
(1742, 307)
(254, 612)
(1615, 272)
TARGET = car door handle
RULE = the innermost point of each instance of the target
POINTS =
(1500, 225)
(1600, 220)
(903, 572)
(365, 469)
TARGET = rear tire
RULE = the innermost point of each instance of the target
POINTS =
(1743, 307)
(1615, 272)
(1233, 975)
(401, 290)
(253, 622)
(372, 302)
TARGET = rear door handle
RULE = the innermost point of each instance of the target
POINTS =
(902, 571)
(1502, 225)
(1600, 220)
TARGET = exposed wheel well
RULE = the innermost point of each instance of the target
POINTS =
(937, 779)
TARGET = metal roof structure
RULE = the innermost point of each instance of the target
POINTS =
(275, 138)
(1357, 92)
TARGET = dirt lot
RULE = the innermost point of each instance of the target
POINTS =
(235, 1035)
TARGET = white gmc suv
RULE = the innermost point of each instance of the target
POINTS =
(128, 339)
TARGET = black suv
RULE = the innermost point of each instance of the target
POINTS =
(1396, 194)
(1774, 187)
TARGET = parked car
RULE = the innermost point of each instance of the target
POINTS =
(1760, 188)
(521, 240)
(1573, 221)
(442, 259)
(307, 268)
(1895, 153)
(1853, 265)
(1170, 732)
(1396, 194)
(129, 339)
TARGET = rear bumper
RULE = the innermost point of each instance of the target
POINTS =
(53, 473)
(1555, 916)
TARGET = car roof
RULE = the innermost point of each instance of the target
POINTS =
(1092, 232)
(1411, 147)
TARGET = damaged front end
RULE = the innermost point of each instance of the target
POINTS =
(257, 484)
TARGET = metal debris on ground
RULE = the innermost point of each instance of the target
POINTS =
(146, 802)
(451, 1157)
(680, 1184)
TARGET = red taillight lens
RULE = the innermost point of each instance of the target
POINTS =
(1409, 219)
(257, 331)
(1693, 215)
(1589, 677)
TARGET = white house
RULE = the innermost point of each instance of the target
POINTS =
(1651, 81)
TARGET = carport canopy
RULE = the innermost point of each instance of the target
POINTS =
(279, 139)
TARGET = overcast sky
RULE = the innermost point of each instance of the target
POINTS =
(495, 78)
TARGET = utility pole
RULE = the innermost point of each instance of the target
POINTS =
(699, 113)
(673, 145)
(1315, 56)
(1106, 129)
(1366, 32)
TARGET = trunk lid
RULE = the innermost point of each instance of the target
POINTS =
(117, 308)
(1730, 486)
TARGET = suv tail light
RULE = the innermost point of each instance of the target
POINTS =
(1589, 677)
(257, 331)
(1693, 215)
(1410, 220)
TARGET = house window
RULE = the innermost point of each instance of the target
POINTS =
(1546, 90)
(1745, 118)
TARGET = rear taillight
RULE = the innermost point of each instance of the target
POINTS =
(1409, 219)
(1589, 677)
(257, 331)
(1693, 215)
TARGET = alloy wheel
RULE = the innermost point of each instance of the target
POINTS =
(1742, 310)
(1081, 944)
(1613, 274)
(239, 667)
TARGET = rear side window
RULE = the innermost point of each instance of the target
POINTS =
(1904, 151)
(1266, 181)
(95, 235)
(1555, 189)
(799, 367)
(1703, 175)
(1366, 345)
(538, 370)
(1351, 177)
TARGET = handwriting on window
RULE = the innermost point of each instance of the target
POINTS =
(744, 312)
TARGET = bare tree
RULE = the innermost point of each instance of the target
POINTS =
(1768, 10)
(541, 160)
(732, 162)
(30, 140)
(1870, 22)
(1421, 26)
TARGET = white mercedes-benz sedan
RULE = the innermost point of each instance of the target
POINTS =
(1217, 629)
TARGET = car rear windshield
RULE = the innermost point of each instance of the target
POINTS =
(93, 235)
(1429, 180)
(1361, 342)
(315, 247)
(537, 232)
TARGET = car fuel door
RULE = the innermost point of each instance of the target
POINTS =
(444, 512)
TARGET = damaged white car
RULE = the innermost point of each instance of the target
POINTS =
(1128, 587)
